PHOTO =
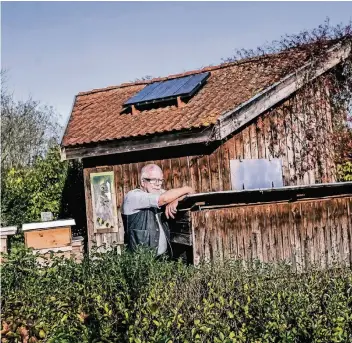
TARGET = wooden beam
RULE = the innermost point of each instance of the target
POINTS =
(140, 144)
(243, 114)
(180, 103)
(134, 110)
(201, 201)
(68, 120)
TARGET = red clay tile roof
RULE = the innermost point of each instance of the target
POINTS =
(96, 115)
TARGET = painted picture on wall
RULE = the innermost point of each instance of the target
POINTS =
(103, 199)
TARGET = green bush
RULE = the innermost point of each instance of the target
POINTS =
(344, 171)
(137, 298)
(47, 185)
(28, 191)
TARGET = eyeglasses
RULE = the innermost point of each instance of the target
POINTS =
(154, 181)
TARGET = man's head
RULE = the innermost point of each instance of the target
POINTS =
(151, 178)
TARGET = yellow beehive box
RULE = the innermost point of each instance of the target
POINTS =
(46, 235)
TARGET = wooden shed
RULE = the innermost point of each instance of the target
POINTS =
(216, 129)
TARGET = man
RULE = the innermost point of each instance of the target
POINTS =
(143, 218)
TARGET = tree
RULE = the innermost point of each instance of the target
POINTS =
(28, 129)
(33, 177)
(28, 191)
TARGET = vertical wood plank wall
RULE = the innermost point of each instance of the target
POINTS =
(269, 136)
(304, 233)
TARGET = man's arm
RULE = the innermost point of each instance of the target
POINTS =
(137, 200)
(173, 194)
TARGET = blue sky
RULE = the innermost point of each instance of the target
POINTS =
(53, 50)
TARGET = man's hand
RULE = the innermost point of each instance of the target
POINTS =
(173, 194)
(171, 209)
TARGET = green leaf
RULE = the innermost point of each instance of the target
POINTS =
(230, 315)
(156, 322)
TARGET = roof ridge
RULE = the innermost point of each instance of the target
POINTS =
(206, 69)
(191, 72)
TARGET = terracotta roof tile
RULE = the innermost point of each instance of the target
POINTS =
(98, 115)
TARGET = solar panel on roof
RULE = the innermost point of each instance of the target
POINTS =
(169, 89)
(189, 85)
(142, 94)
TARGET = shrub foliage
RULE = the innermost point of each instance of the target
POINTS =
(344, 171)
(136, 298)
(47, 185)
(28, 191)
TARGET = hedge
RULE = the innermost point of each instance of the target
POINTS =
(137, 298)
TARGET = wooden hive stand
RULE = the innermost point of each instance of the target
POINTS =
(5, 232)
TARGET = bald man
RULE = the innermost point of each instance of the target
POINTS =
(143, 217)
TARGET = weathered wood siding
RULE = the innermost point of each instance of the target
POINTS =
(280, 133)
(303, 233)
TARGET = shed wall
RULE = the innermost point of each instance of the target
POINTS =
(301, 140)
(304, 233)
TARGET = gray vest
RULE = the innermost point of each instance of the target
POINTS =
(142, 228)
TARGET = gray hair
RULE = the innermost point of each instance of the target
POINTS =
(147, 169)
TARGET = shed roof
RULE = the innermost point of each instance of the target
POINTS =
(97, 115)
